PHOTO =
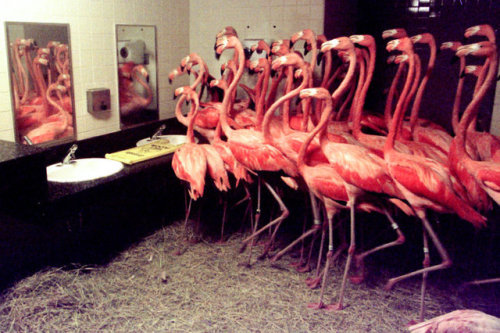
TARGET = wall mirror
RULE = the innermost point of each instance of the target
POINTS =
(41, 82)
(137, 74)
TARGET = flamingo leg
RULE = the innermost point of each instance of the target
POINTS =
(350, 252)
(301, 258)
(277, 221)
(255, 222)
(360, 257)
(445, 263)
(224, 211)
(426, 263)
(329, 255)
(313, 282)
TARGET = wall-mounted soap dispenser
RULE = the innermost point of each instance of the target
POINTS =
(98, 100)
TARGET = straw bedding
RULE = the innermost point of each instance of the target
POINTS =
(148, 288)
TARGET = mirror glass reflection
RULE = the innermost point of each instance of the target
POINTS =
(136, 53)
(41, 82)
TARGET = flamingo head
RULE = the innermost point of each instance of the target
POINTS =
(291, 58)
(225, 42)
(320, 93)
(141, 70)
(281, 47)
(453, 46)
(41, 60)
(394, 33)
(473, 69)
(403, 44)
(174, 73)
(363, 40)
(185, 61)
(425, 38)
(481, 49)
(227, 31)
(339, 44)
(401, 58)
(296, 36)
(391, 59)
(481, 30)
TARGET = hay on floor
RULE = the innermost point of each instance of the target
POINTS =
(148, 288)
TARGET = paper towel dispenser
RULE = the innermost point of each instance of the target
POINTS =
(132, 51)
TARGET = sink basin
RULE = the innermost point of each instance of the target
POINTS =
(83, 169)
(173, 138)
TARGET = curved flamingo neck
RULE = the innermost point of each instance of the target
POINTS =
(390, 95)
(418, 98)
(239, 54)
(149, 93)
(398, 113)
(266, 128)
(479, 82)
(259, 107)
(192, 117)
(359, 101)
(411, 93)
(455, 114)
(323, 122)
(471, 110)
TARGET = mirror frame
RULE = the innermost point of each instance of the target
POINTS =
(155, 90)
(18, 139)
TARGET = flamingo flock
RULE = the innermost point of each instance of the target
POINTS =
(131, 100)
(312, 133)
(42, 90)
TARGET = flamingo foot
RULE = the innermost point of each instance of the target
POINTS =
(297, 263)
(304, 269)
(313, 283)
(388, 286)
(356, 279)
(316, 306)
(334, 307)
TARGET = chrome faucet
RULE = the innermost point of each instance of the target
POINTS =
(70, 156)
(158, 132)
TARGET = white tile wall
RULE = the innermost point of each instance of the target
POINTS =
(92, 27)
(253, 19)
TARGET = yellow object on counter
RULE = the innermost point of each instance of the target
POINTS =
(143, 153)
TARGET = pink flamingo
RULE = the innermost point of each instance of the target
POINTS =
(362, 171)
(486, 173)
(423, 182)
(458, 321)
(248, 145)
(137, 101)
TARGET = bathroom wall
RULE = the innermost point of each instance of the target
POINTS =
(92, 28)
(252, 19)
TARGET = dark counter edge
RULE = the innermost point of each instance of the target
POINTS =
(13, 155)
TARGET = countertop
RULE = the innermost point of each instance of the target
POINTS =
(58, 191)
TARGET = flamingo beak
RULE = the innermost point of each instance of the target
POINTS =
(462, 74)
(319, 58)
(248, 53)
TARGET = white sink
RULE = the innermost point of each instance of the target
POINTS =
(82, 169)
(173, 138)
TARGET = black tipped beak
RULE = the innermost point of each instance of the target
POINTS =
(306, 50)
(217, 56)
(248, 53)
(462, 74)
(274, 73)
(147, 79)
(210, 78)
(454, 59)
(221, 72)
(188, 71)
(291, 44)
(498, 78)
(174, 97)
(319, 58)
(170, 81)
